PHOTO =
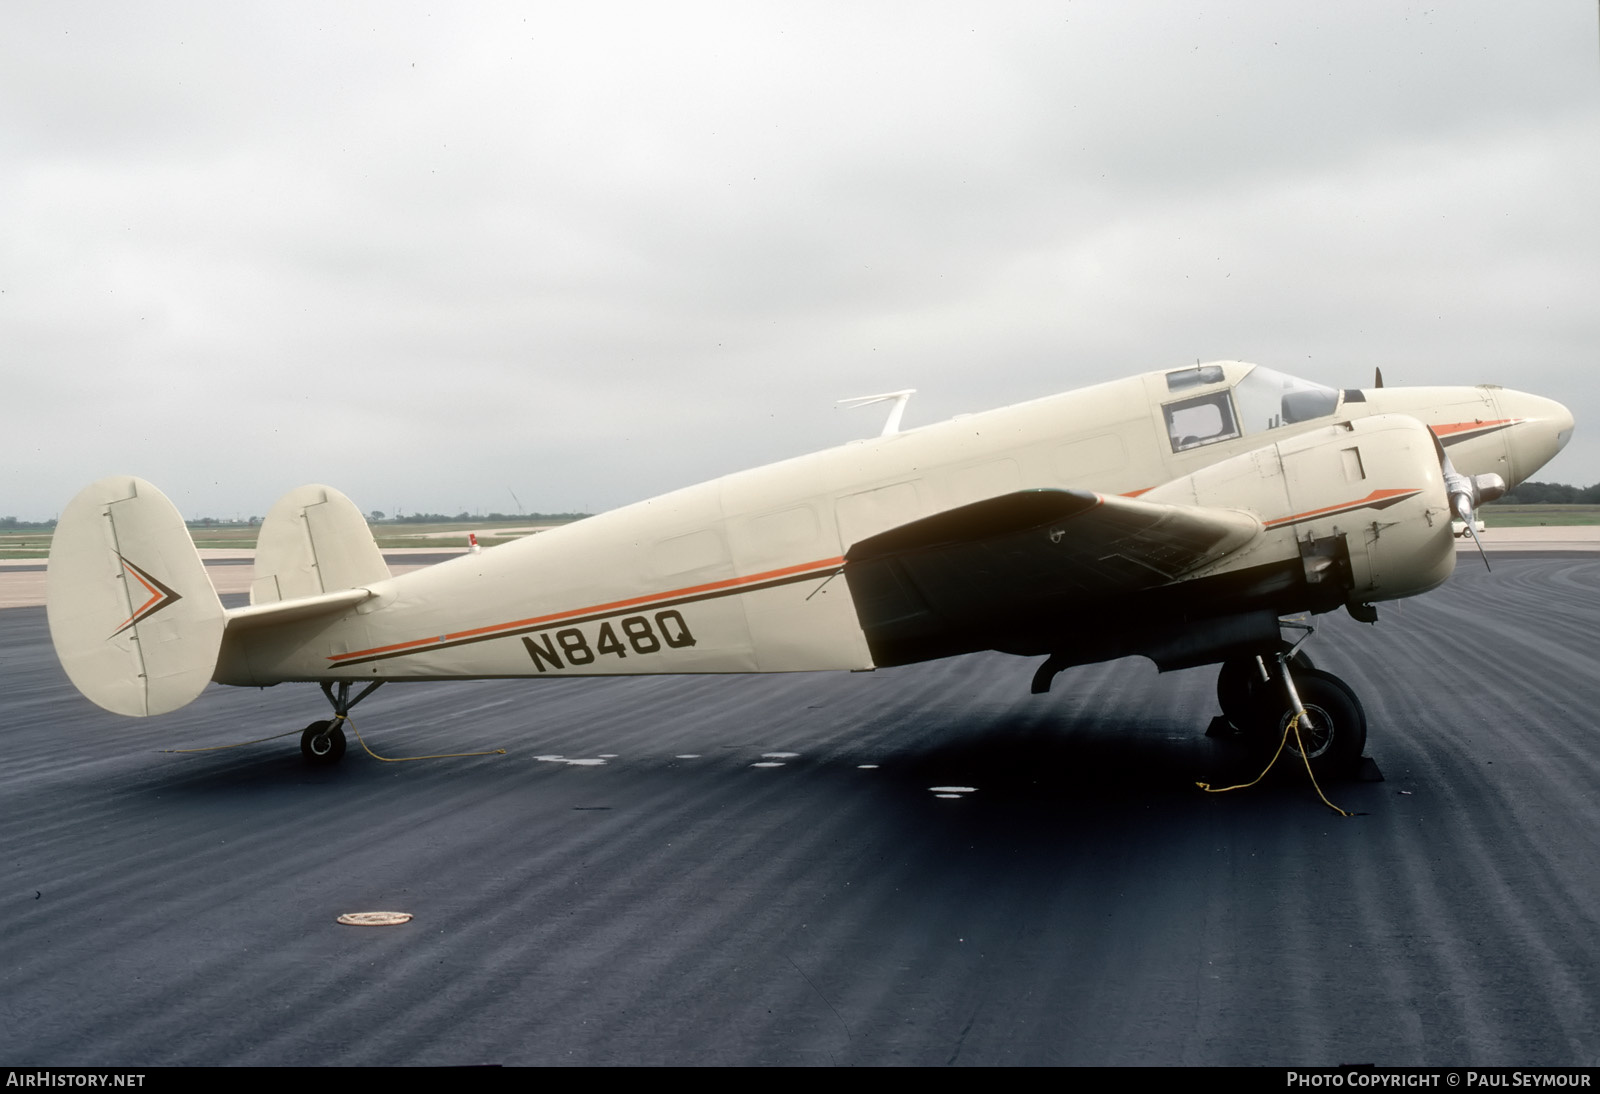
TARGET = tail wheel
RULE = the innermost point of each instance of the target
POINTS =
(322, 744)
(1334, 731)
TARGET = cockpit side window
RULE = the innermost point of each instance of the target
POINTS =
(1202, 420)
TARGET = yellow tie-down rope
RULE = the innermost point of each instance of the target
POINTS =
(241, 744)
(402, 759)
(1292, 727)
(337, 718)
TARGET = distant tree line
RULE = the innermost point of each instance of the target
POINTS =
(461, 518)
(1552, 493)
(12, 524)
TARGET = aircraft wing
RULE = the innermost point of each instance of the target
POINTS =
(974, 577)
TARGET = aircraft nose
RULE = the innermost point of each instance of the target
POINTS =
(1543, 429)
(1562, 417)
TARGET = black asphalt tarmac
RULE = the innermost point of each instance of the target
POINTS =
(764, 870)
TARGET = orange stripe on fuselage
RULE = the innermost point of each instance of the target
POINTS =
(614, 605)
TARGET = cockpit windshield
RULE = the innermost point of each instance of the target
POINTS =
(1268, 399)
(1262, 400)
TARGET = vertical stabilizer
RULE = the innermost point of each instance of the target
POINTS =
(313, 541)
(134, 618)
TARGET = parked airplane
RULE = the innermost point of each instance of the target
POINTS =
(1175, 515)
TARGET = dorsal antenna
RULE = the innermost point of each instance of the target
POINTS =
(896, 412)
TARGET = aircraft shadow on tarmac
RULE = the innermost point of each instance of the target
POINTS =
(1001, 779)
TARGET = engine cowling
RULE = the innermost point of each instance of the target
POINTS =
(1363, 504)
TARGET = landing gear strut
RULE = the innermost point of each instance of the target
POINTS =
(323, 744)
(1242, 681)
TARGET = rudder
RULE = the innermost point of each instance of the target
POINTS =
(134, 618)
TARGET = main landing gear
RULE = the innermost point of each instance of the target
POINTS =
(323, 744)
(1262, 695)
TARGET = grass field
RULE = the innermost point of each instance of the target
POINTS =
(1532, 516)
(24, 545)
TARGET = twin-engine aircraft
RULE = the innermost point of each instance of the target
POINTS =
(1175, 515)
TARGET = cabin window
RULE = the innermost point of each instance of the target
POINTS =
(873, 511)
(686, 554)
(987, 480)
(1076, 461)
(788, 528)
(1202, 420)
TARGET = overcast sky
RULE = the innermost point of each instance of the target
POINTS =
(586, 253)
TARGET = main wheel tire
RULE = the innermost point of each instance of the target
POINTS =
(1337, 731)
(1239, 687)
(322, 744)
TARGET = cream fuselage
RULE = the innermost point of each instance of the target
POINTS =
(741, 574)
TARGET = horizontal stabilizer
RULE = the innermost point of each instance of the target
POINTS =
(134, 618)
(314, 541)
(291, 611)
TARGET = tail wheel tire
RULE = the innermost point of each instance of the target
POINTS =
(322, 744)
(1334, 732)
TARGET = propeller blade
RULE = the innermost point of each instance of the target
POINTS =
(1472, 527)
(1465, 492)
(1377, 380)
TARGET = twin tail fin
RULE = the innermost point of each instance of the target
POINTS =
(135, 619)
